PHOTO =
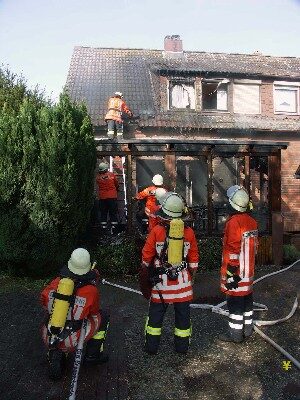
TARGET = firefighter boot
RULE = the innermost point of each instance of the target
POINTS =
(110, 134)
(56, 363)
(94, 353)
(230, 338)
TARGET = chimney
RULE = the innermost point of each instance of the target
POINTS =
(173, 46)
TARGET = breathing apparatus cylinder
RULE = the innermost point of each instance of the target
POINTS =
(175, 245)
(61, 304)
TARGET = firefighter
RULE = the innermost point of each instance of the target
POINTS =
(172, 281)
(148, 194)
(114, 116)
(238, 262)
(68, 299)
(153, 218)
(108, 185)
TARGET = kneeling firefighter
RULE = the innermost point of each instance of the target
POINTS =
(169, 260)
(69, 299)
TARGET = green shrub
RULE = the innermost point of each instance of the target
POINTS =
(210, 250)
(290, 254)
(47, 161)
(117, 259)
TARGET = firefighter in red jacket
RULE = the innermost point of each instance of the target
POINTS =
(82, 302)
(153, 217)
(148, 194)
(238, 263)
(114, 116)
(172, 283)
(108, 185)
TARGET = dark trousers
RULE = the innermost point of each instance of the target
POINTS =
(108, 207)
(240, 316)
(154, 324)
(95, 345)
(112, 125)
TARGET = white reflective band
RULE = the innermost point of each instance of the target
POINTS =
(248, 313)
(234, 256)
(236, 316)
(248, 321)
(239, 289)
(173, 295)
(235, 326)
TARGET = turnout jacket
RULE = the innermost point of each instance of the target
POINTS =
(172, 291)
(149, 195)
(107, 184)
(86, 305)
(239, 249)
(116, 107)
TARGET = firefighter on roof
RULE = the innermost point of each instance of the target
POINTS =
(68, 299)
(117, 108)
(107, 185)
(238, 262)
(170, 259)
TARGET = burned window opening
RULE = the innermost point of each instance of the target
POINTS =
(182, 95)
(214, 95)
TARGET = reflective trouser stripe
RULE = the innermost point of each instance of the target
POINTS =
(153, 331)
(183, 332)
(248, 313)
(235, 326)
(237, 317)
(99, 335)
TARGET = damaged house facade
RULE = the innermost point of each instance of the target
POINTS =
(204, 121)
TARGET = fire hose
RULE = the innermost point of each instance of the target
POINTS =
(259, 307)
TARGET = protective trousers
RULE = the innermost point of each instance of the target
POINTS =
(108, 207)
(94, 346)
(240, 316)
(154, 323)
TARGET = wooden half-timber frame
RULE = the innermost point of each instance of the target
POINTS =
(169, 148)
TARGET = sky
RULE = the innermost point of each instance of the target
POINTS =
(37, 37)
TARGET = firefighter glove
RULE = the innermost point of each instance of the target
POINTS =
(232, 278)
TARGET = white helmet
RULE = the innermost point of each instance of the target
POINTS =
(103, 167)
(160, 193)
(172, 205)
(119, 94)
(158, 180)
(238, 198)
(80, 262)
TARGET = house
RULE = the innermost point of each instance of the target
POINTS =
(204, 120)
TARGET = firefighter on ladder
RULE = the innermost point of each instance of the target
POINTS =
(69, 299)
(238, 262)
(114, 116)
(171, 253)
(108, 185)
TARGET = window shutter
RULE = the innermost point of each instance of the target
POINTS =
(222, 97)
(246, 99)
(286, 100)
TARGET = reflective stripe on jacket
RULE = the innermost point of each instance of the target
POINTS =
(116, 107)
(239, 249)
(86, 305)
(172, 291)
(107, 184)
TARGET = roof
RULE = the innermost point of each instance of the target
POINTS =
(96, 73)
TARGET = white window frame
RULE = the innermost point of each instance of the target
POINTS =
(290, 86)
(174, 82)
(217, 81)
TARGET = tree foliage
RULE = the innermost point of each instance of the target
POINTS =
(47, 160)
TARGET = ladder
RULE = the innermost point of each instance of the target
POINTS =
(117, 165)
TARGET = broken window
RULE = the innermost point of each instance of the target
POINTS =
(286, 99)
(182, 95)
(246, 97)
(214, 94)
